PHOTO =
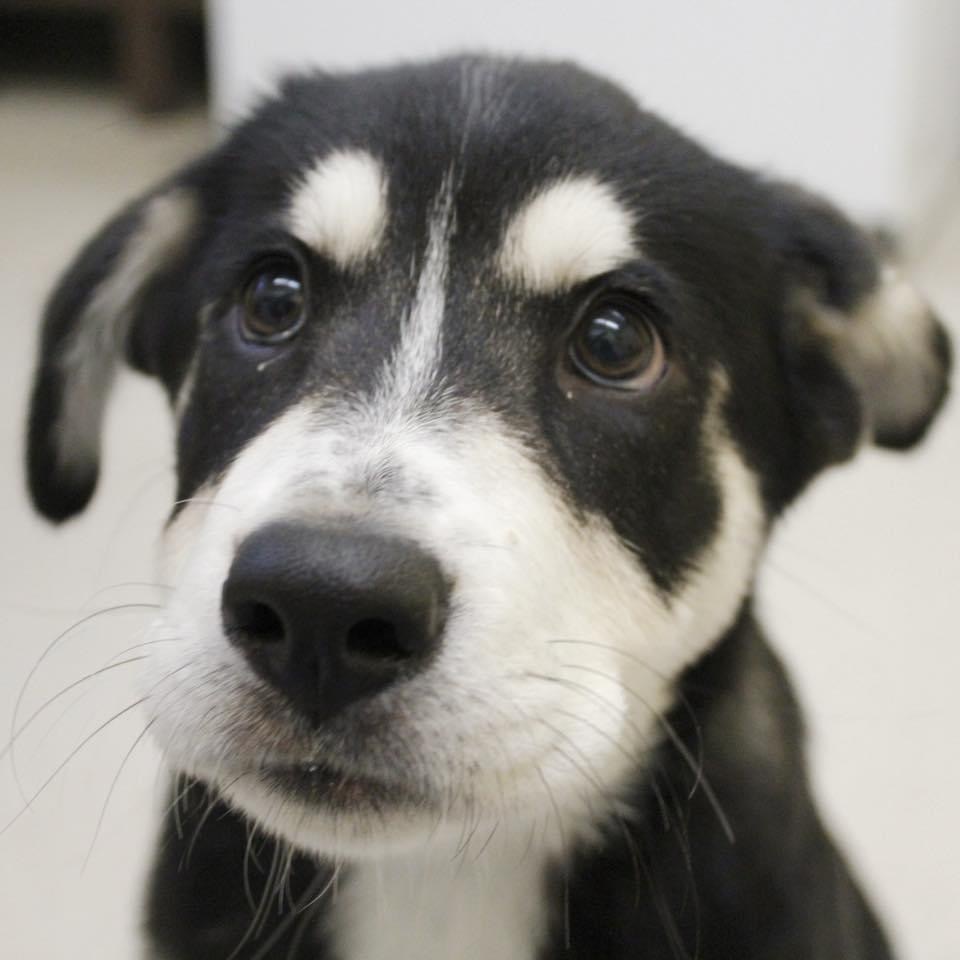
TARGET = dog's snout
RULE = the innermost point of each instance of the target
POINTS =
(331, 616)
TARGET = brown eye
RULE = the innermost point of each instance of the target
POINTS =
(616, 345)
(273, 305)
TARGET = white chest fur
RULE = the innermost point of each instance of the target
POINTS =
(425, 907)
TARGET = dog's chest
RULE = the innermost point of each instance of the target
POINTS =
(440, 909)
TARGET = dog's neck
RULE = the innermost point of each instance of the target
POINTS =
(434, 907)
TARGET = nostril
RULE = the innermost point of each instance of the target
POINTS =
(256, 622)
(375, 639)
(328, 617)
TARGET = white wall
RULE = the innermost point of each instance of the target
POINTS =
(813, 90)
(931, 162)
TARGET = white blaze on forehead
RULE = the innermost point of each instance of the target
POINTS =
(567, 232)
(339, 208)
(413, 366)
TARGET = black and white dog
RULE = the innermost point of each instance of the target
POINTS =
(489, 386)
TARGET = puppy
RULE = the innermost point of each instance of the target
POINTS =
(488, 388)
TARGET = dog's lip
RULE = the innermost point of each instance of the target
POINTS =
(318, 783)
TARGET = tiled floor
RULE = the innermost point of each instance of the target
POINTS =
(860, 591)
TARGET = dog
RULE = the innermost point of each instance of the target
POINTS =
(489, 386)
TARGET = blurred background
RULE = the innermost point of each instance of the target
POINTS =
(99, 98)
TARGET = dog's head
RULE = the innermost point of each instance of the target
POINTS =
(488, 385)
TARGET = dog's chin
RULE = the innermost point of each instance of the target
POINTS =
(331, 813)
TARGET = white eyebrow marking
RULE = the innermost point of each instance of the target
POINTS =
(339, 207)
(565, 233)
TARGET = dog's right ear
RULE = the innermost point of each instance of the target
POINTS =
(115, 279)
(865, 357)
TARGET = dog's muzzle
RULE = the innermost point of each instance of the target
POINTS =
(332, 616)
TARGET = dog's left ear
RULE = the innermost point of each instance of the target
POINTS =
(123, 274)
(865, 357)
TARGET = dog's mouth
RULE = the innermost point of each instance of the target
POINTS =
(318, 784)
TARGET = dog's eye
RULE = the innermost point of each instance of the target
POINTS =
(617, 345)
(273, 304)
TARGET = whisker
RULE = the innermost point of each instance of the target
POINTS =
(204, 502)
(564, 854)
(113, 787)
(14, 722)
(256, 924)
(179, 794)
(681, 697)
(667, 920)
(263, 952)
(467, 835)
(65, 690)
(872, 631)
(204, 817)
(86, 693)
(124, 584)
(108, 666)
(675, 739)
(486, 843)
(248, 857)
(72, 754)
(298, 933)
(129, 509)
(622, 825)
(619, 747)
(483, 545)
(683, 842)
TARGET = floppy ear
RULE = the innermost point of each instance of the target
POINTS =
(86, 328)
(865, 356)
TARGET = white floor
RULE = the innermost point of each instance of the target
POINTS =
(860, 592)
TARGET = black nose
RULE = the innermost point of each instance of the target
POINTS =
(331, 616)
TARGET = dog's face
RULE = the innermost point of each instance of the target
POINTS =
(488, 386)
